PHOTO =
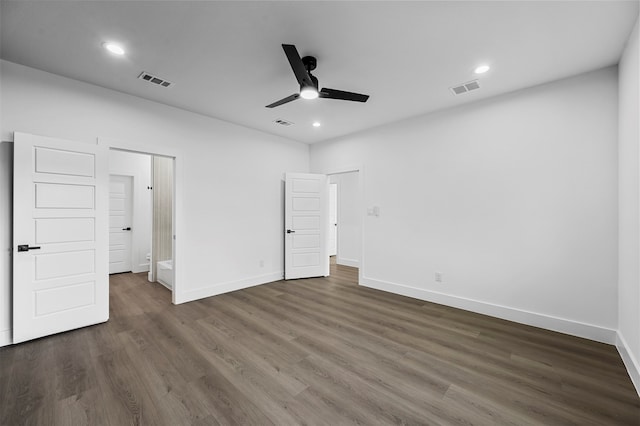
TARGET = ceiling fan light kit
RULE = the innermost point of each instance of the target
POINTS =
(302, 68)
(309, 93)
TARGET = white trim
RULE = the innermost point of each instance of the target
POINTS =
(142, 267)
(138, 147)
(346, 169)
(214, 290)
(163, 284)
(574, 328)
(632, 365)
(5, 338)
(354, 263)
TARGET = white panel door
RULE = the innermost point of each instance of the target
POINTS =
(333, 219)
(120, 219)
(60, 259)
(306, 226)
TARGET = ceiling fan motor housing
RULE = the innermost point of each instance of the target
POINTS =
(309, 63)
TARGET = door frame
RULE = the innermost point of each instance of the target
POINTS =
(361, 189)
(333, 205)
(177, 214)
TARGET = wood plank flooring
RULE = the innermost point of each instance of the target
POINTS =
(320, 351)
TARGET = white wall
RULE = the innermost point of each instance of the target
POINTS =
(349, 218)
(138, 166)
(513, 199)
(6, 243)
(629, 208)
(229, 195)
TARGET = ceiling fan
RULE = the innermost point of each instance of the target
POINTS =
(308, 83)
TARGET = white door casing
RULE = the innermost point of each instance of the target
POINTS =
(120, 220)
(306, 225)
(60, 207)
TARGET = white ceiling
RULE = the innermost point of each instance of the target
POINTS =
(226, 59)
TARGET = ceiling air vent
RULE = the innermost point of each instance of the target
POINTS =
(154, 79)
(283, 122)
(465, 87)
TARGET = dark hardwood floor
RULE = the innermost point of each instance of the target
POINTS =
(320, 351)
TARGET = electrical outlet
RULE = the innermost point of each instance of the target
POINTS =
(438, 277)
(262, 263)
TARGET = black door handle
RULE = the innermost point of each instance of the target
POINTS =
(127, 229)
(289, 231)
(25, 247)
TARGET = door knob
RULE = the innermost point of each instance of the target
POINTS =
(289, 231)
(25, 247)
(127, 229)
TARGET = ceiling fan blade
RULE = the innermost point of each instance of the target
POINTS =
(297, 66)
(342, 95)
(284, 100)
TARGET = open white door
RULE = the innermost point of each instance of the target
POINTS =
(60, 235)
(306, 226)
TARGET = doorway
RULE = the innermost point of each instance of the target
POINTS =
(142, 215)
(348, 221)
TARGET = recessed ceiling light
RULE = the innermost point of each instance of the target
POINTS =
(482, 69)
(316, 124)
(113, 48)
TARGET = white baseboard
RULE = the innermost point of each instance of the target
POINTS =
(574, 328)
(5, 338)
(143, 267)
(164, 284)
(355, 263)
(630, 362)
(220, 288)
